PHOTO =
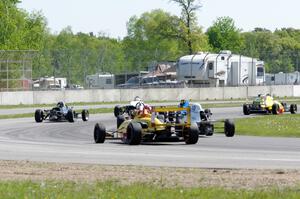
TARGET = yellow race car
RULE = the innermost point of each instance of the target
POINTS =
(266, 104)
(149, 125)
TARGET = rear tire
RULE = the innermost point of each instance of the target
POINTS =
(70, 116)
(229, 128)
(293, 108)
(246, 109)
(134, 134)
(192, 135)
(85, 115)
(39, 115)
(275, 109)
(99, 133)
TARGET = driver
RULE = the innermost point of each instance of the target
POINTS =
(142, 109)
(184, 104)
(62, 106)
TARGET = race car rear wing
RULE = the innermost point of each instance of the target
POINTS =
(167, 109)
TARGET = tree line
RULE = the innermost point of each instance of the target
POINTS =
(152, 37)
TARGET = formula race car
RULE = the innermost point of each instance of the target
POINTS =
(60, 113)
(150, 124)
(266, 104)
(145, 125)
(128, 109)
(202, 117)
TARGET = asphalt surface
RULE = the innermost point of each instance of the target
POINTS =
(23, 139)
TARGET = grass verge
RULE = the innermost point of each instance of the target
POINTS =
(286, 125)
(46, 189)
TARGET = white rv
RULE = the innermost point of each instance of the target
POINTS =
(223, 69)
(100, 80)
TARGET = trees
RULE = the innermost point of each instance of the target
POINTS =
(151, 37)
(189, 32)
(223, 35)
(20, 30)
(159, 36)
(280, 49)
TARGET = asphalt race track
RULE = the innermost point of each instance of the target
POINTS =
(23, 139)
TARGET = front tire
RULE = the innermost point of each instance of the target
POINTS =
(229, 128)
(85, 115)
(39, 115)
(99, 133)
(134, 134)
(192, 135)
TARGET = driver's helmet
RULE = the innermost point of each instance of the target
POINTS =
(137, 98)
(60, 104)
(184, 103)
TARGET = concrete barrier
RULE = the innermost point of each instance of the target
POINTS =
(163, 94)
(296, 91)
(253, 91)
(211, 93)
(48, 97)
(282, 91)
(235, 93)
(13, 98)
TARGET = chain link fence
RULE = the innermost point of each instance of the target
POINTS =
(78, 69)
(16, 70)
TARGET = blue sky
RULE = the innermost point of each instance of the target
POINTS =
(110, 16)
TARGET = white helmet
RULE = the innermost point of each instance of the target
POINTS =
(137, 98)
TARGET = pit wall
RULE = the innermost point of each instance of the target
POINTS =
(164, 94)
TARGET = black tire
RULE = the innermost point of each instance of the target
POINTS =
(210, 130)
(192, 135)
(134, 134)
(229, 128)
(99, 133)
(293, 108)
(85, 115)
(275, 109)
(70, 116)
(39, 115)
(246, 109)
(120, 120)
(117, 111)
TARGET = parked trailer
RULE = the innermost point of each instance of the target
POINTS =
(283, 78)
(99, 80)
(223, 69)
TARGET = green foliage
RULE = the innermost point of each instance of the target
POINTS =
(280, 50)
(152, 37)
(20, 30)
(223, 35)
(189, 32)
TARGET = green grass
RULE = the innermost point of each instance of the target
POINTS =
(286, 125)
(72, 190)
